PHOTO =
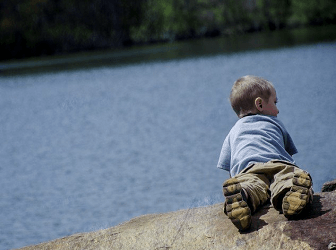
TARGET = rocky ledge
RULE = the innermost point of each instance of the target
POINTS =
(208, 228)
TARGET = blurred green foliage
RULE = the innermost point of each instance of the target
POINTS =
(42, 27)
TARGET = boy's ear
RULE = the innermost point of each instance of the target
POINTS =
(259, 104)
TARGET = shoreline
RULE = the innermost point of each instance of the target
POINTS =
(170, 51)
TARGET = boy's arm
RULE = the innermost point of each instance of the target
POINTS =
(224, 161)
(290, 146)
(288, 141)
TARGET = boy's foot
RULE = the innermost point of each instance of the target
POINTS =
(236, 206)
(298, 196)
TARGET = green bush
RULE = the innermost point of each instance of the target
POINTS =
(38, 27)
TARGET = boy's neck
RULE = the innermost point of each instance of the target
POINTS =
(248, 114)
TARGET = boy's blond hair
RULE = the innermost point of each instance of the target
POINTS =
(245, 91)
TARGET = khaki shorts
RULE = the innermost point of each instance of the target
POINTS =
(270, 180)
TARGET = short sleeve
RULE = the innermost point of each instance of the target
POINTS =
(289, 145)
(224, 161)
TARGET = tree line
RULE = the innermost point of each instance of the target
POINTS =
(44, 27)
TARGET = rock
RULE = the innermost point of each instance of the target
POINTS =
(208, 228)
(329, 186)
(332, 246)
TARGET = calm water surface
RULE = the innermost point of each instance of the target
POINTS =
(87, 149)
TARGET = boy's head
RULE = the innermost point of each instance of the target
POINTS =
(253, 95)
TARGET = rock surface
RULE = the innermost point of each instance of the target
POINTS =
(208, 228)
(329, 186)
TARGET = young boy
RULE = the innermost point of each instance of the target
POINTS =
(258, 153)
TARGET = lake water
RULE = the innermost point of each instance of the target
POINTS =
(89, 148)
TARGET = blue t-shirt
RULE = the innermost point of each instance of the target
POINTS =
(255, 138)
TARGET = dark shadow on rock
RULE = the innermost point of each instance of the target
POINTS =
(313, 210)
(258, 223)
(317, 224)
